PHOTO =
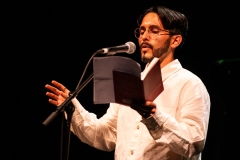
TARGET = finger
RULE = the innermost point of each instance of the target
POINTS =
(151, 114)
(53, 89)
(59, 85)
(153, 110)
(53, 102)
(141, 108)
(52, 96)
(150, 104)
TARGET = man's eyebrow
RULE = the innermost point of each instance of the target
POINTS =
(151, 26)
(142, 27)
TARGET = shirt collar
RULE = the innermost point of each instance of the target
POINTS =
(170, 68)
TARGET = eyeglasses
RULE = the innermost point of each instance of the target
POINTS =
(154, 32)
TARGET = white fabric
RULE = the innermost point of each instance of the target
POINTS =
(182, 113)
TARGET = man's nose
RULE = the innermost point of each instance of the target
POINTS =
(146, 35)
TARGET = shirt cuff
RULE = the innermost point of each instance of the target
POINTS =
(153, 127)
(78, 106)
(155, 124)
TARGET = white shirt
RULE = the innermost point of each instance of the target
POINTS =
(177, 130)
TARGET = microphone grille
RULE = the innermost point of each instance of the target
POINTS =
(132, 47)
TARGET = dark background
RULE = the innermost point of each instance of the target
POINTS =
(42, 41)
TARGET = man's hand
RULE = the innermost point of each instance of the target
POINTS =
(58, 93)
(146, 110)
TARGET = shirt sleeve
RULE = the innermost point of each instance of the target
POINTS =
(99, 133)
(185, 135)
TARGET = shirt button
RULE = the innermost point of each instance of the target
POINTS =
(131, 152)
(137, 126)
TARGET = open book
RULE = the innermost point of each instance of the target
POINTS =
(119, 79)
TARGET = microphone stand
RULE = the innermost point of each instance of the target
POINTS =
(69, 111)
(68, 107)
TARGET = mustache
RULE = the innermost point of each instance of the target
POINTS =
(146, 43)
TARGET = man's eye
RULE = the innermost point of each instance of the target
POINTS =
(155, 31)
(141, 32)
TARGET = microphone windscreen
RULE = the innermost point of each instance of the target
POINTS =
(132, 47)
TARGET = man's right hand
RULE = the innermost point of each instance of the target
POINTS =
(58, 93)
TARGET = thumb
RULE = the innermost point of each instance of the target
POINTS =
(150, 104)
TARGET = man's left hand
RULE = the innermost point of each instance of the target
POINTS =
(146, 110)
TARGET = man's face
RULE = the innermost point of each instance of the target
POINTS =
(154, 41)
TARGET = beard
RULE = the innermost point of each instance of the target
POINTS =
(158, 52)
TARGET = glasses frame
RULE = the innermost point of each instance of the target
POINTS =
(150, 33)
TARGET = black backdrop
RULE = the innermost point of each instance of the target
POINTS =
(42, 41)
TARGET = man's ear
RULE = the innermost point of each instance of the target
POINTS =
(176, 41)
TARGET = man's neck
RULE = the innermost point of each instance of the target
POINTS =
(168, 59)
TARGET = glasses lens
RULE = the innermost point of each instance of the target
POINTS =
(136, 33)
(154, 32)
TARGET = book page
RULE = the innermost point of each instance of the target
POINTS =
(152, 80)
(103, 68)
(149, 67)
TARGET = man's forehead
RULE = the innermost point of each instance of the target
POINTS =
(151, 19)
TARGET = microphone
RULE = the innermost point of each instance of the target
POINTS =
(128, 47)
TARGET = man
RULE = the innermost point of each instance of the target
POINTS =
(176, 126)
